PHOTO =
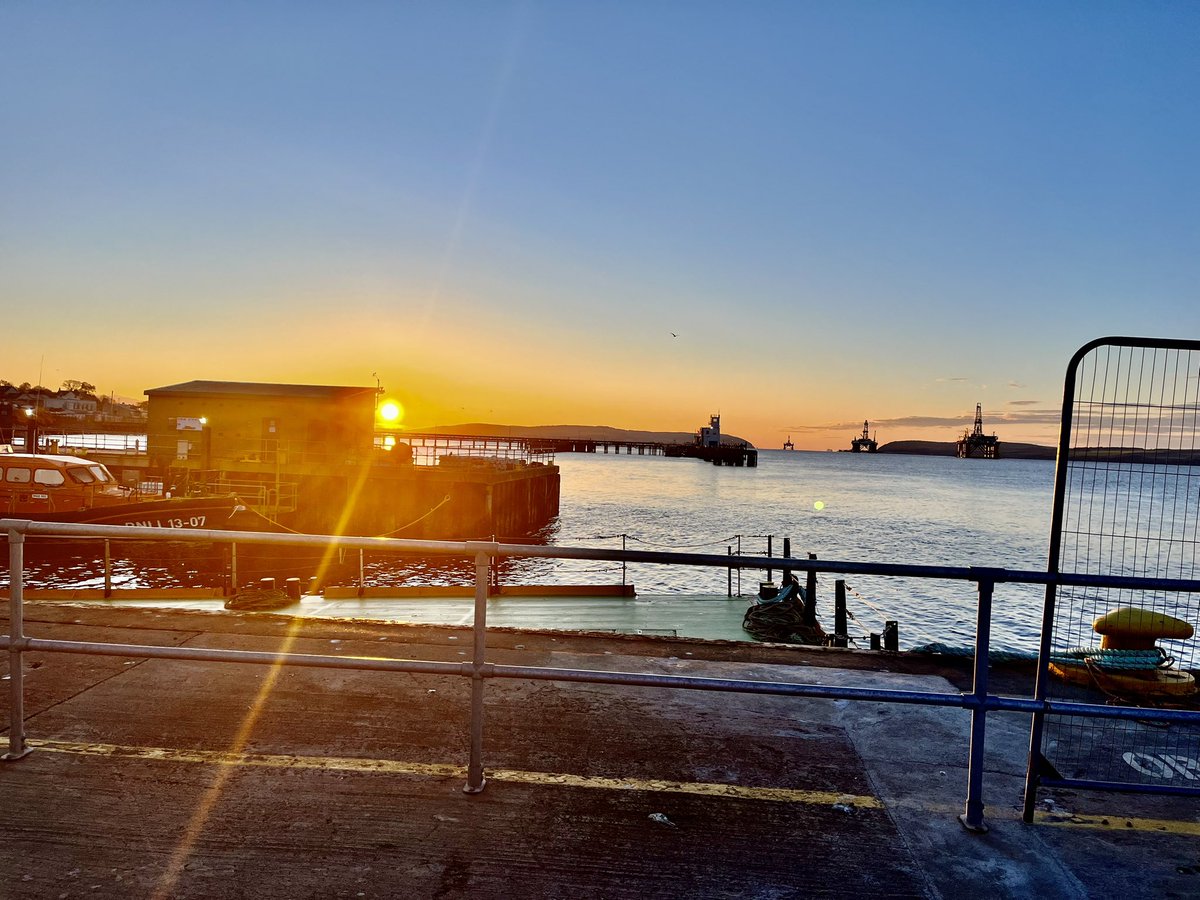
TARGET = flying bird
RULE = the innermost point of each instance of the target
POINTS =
(674, 335)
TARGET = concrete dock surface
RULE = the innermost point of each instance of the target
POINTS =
(183, 779)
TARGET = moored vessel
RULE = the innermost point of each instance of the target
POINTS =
(50, 488)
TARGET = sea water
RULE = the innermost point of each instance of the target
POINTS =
(857, 507)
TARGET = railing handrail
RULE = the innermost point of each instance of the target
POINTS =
(992, 574)
(979, 701)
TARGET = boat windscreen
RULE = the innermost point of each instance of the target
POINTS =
(82, 474)
(101, 473)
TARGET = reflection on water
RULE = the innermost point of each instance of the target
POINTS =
(858, 507)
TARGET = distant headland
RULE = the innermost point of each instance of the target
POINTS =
(1011, 449)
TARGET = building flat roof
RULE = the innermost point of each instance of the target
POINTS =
(258, 389)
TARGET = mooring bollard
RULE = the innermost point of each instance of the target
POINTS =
(292, 588)
(891, 636)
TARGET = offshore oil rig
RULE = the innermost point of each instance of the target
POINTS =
(864, 443)
(975, 443)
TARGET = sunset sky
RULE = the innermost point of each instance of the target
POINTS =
(842, 210)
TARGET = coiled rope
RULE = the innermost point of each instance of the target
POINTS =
(1113, 658)
(782, 620)
(259, 599)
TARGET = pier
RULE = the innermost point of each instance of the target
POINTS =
(221, 787)
(423, 444)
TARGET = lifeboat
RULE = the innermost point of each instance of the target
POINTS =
(50, 488)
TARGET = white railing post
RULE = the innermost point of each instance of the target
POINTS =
(475, 780)
(16, 617)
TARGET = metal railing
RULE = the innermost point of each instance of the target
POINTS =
(979, 700)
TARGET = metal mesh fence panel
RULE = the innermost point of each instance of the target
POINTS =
(1127, 503)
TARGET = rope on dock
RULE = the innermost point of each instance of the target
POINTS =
(259, 599)
(883, 617)
(782, 620)
(1115, 658)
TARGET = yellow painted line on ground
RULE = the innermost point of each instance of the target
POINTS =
(705, 789)
(259, 760)
(1120, 823)
(556, 779)
(1091, 821)
(437, 770)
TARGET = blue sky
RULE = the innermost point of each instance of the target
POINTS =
(843, 210)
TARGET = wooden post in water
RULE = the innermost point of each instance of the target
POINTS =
(840, 636)
(810, 596)
(728, 572)
(739, 553)
(107, 569)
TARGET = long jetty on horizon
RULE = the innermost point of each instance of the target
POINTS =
(425, 443)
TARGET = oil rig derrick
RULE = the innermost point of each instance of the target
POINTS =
(975, 443)
(864, 442)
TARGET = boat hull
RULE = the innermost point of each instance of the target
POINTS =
(185, 513)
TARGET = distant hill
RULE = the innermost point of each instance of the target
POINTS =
(1008, 449)
(580, 432)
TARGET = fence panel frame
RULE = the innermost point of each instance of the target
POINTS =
(1039, 771)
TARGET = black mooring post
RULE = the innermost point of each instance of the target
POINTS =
(891, 636)
(840, 636)
(785, 578)
(770, 572)
(729, 574)
(810, 596)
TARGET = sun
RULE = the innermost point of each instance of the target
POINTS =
(391, 411)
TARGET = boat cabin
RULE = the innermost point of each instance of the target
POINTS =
(33, 483)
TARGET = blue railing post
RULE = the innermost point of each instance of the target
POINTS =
(16, 616)
(972, 817)
(475, 780)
